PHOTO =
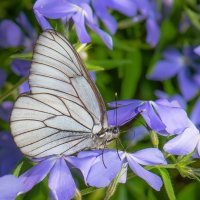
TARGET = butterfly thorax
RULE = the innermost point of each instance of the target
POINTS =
(105, 136)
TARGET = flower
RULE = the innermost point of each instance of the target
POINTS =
(180, 145)
(176, 97)
(5, 110)
(147, 9)
(184, 65)
(9, 153)
(162, 116)
(103, 169)
(3, 77)
(126, 7)
(61, 182)
(21, 38)
(79, 11)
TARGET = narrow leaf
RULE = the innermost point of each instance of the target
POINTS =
(167, 183)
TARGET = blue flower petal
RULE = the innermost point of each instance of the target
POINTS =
(152, 179)
(101, 175)
(11, 186)
(153, 32)
(189, 88)
(195, 113)
(164, 70)
(61, 181)
(185, 143)
(149, 156)
(36, 174)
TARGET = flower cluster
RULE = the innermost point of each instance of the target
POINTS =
(81, 13)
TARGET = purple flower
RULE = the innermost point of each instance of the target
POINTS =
(79, 11)
(61, 182)
(162, 116)
(126, 7)
(24, 36)
(9, 154)
(5, 110)
(136, 134)
(147, 9)
(3, 77)
(177, 97)
(10, 187)
(184, 65)
(102, 170)
(180, 145)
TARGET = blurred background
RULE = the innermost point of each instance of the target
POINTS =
(162, 35)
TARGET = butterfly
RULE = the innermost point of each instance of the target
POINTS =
(64, 112)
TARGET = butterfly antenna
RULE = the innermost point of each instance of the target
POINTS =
(103, 154)
(117, 149)
(116, 98)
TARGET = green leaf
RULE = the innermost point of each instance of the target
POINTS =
(131, 75)
(194, 17)
(15, 87)
(110, 64)
(95, 68)
(24, 56)
(188, 192)
(167, 183)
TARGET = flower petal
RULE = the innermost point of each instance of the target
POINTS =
(164, 70)
(21, 67)
(152, 179)
(197, 50)
(42, 21)
(151, 117)
(183, 144)
(83, 164)
(195, 113)
(107, 39)
(153, 32)
(3, 77)
(174, 117)
(7, 38)
(61, 181)
(101, 175)
(121, 115)
(24, 87)
(36, 174)
(11, 186)
(187, 85)
(149, 156)
(81, 31)
(5, 110)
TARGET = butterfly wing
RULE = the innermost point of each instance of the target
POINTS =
(64, 107)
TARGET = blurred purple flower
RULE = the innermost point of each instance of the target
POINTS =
(126, 7)
(162, 116)
(3, 77)
(9, 154)
(79, 11)
(5, 110)
(24, 36)
(184, 65)
(148, 12)
(136, 134)
(180, 145)
(102, 171)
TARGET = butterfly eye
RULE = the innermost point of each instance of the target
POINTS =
(115, 130)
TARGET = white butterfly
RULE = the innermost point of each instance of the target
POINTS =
(64, 112)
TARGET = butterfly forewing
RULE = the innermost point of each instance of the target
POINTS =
(64, 105)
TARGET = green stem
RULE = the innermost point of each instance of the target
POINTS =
(9, 92)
